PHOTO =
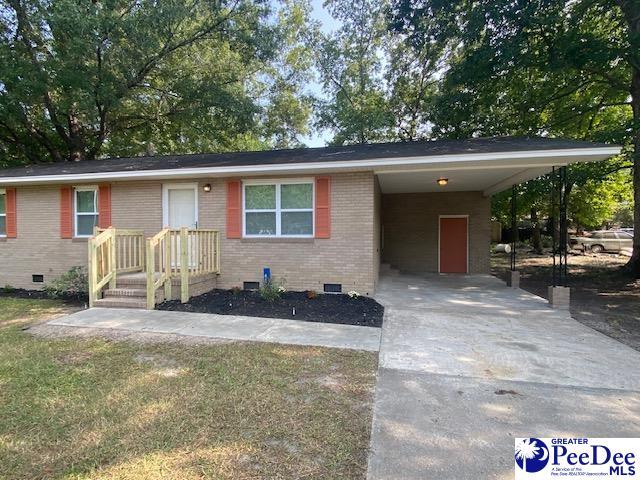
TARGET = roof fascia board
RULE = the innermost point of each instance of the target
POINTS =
(599, 152)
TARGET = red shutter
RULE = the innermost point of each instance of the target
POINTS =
(10, 210)
(66, 212)
(234, 209)
(323, 207)
(104, 206)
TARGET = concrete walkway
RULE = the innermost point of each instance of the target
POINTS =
(231, 327)
(467, 364)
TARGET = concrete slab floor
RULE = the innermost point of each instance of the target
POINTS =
(450, 342)
(231, 327)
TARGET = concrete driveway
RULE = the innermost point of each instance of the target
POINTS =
(467, 364)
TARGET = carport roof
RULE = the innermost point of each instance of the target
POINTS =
(382, 156)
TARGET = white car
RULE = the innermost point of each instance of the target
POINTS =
(604, 241)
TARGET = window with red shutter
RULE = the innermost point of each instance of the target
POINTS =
(66, 212)
(11, 218)
(323, 207)
(234, 209)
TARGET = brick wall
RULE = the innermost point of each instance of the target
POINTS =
(347, 257)
(38, 248)
(377, 229)
(411, 228)
(344, 258)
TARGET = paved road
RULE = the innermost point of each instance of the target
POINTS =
(467, 364)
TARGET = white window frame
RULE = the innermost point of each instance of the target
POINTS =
(4, 192)
(84, 188)
(278, 210)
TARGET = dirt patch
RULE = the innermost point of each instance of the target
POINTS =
(603, 296)
(340, 309)
(74, 358)
(163, 365)
(45, 330)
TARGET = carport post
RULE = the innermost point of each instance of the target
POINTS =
(559, 292)
(513, 280)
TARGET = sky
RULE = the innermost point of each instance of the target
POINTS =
(328, 24)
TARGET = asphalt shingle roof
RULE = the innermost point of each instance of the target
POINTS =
(302, 155)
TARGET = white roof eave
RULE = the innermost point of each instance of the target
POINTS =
(525, 159)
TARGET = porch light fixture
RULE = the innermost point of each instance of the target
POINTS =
(207, 187)
(442, 181)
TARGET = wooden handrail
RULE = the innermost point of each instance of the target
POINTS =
(101, 268)
(183, 253)
(158, 246)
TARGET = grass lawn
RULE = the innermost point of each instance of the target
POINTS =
(92, 408)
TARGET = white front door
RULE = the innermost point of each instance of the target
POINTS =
(180, 206)
(180, 209)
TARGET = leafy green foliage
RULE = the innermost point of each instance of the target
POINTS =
(73, 283)
(272, 289)
(82, 80)
(350, 70)
(596, 203)
(377, 88)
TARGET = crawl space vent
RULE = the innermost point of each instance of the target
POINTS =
(332, 288)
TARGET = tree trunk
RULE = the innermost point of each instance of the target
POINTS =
(631, 10)
(634, 262)
(76, 145)
(536, 238)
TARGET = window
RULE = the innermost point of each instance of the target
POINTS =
(86, 210)
(278, 209)
(3, 213)
(609, 236)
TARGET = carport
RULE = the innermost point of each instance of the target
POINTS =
(435, 211)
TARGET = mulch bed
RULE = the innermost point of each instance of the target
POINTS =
(334, 308)
(41, 295)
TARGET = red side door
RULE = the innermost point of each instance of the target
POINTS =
(453, 244)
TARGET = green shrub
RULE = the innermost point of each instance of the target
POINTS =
(272, 289)
(73, 283)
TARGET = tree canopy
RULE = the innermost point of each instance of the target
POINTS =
(548, 67)
(81, 80)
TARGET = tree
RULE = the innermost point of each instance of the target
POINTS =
(595, 203)
(377, 88)
(350, 68)
(553, 67)
(288, 111)
(81, 80)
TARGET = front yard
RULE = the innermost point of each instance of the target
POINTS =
(87, 408)
(602, 295)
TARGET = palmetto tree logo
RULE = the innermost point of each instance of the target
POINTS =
(532, 454)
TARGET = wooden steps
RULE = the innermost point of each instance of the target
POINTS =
(121, 302)
(130, 292)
